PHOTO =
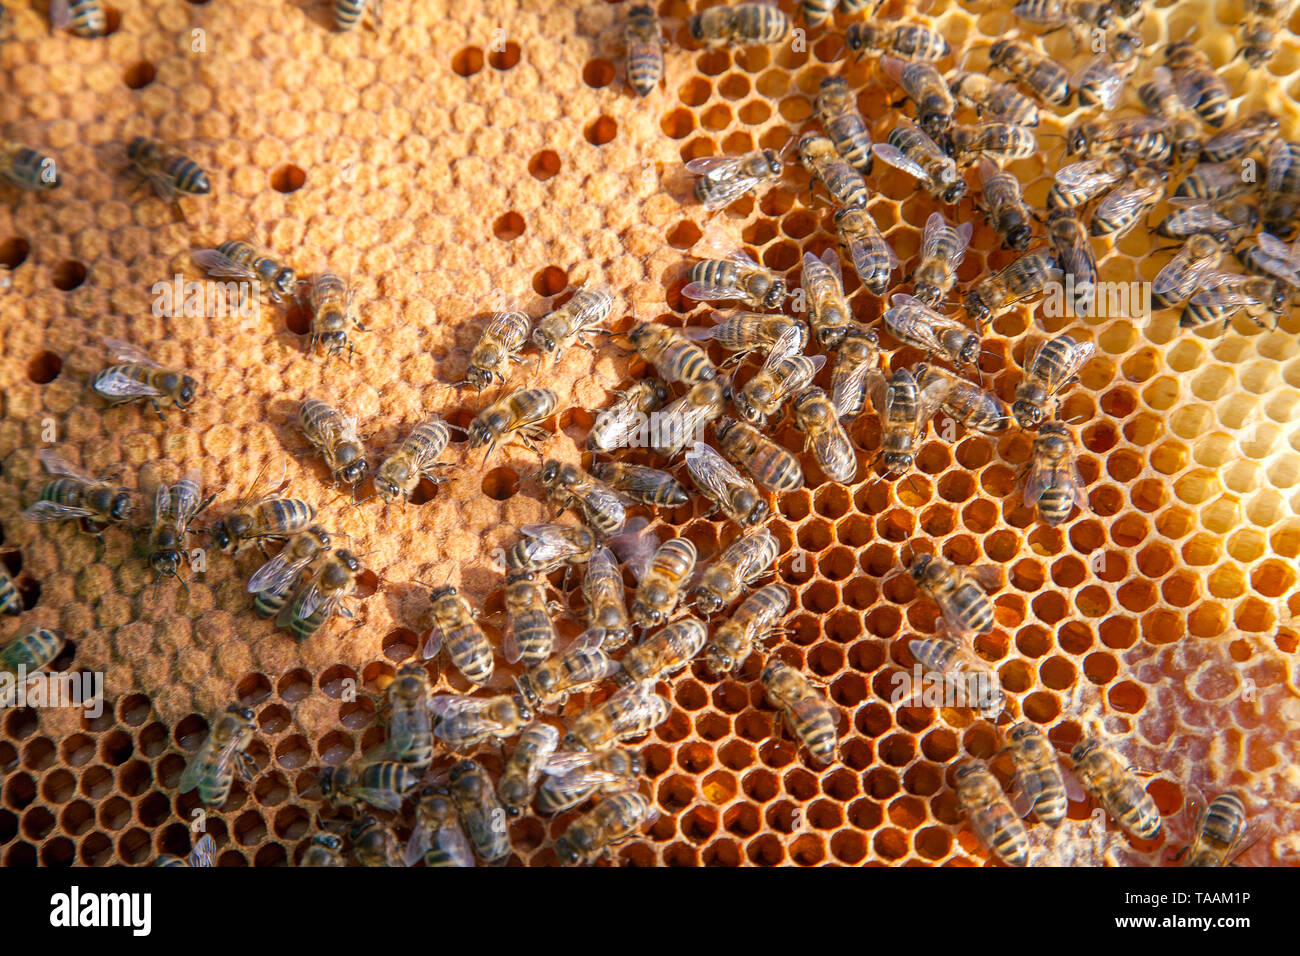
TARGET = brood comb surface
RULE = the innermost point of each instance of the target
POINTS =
(470, 153)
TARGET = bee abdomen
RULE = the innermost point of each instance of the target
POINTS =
(348, 13)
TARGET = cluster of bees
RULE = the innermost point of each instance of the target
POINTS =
(459, 816)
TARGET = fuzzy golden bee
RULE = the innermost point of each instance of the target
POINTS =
(810, 717)
(463, 723)
(211, 771)
(959, 592)
(453, 627)
(625, 420)
(814, 414)
(769, 464)
(518, 783)
(1039, 779)
(572, 323)
(72, 494)
(1050, 368)
(724, 179)
(971, 681)
(872, 257)
(28, 168)
(579, 668)
(616, 818)
(237, 259)
(829, 314)
(515, 414)
(740, 564)
(675, 357)
(414, 459)
(334, 437)
(497, 349)
(841, 180)
(140, 378)
(643, 42)
(785, 371)
(666, 652)
(735, 277)
(602, 589)
(909, 149)
(752, 624)
(725, 487)
(837, 110)
(1109, 780)
(750, 22)
(632, 712)
(663, 581)
(980, 797)
(573, 778)
(322, 595)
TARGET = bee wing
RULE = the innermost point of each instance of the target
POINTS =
(433, 644)
(1270, 244)
(830, 443)
(716, 244)
(193, 770)
(990, 577)
(636, 550)
(845, 391)
(891, 156)
(1042, 475)
(1185, 82)
(1121, 203)
(708, 293)
(53, 511)
(713, 472)
(416, 846)
(728, 191)
(60, 14)
(304, 605)
(1106, 82)
(831, 259)
(126, 352)
(448, 706)
(1027, 789)
(1180, 275)
(932, 234)
(161, 501)
(116, 384)
(1080, 356)
(878, 391)
(216, 263)
(276, 575)
(714, 167)
(454, 842)
(187, 500)
(56, 465)
(204, 852)
(937, 388)
(788, 344)
(548, 541)
(383, 799)
(510, 648)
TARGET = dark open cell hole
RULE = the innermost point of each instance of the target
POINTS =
(14, 251)
(288, 179)
(140, 75)
(500, 483)
(545, 164)
(467, 62)
(508, 226)
(550, 281)
(505, 57)
(44, 368)
(400, 644)
(367, 583)
(112, 20)
(68, 275)
(294, 686)
(598, 73)
(601, 130)
(297, 318)
(684, 235)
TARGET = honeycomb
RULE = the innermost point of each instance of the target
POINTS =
(480, 151)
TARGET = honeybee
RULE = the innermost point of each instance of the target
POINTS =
(1026, 277)
(753, 623)
(746, 332)
(601, 508)
(912, 323)
(1223, 294)
(623, 815)
(1198, 83)
(1211, 181)
(844, 183)
(237, 259)
(723, 485)
(437, 836)
(663, 580)
(617, 425)
(666, 652)
(1101, 81)
(334, 437)
(373, 843)
(399, 474)
(275, 580)
(942, 250)
(992, 100)
(30, 652)
(498, 348)
(1050, 368)
(735, 277)
(856, 367)
(1144, 139)
(1161, 99)
(171, 174)
(545, 547)
(632, 712)
(1258, 32)
(174, 507)
(972, 680)
(256, 519)
(1266, 256)
(911, 150)
(1065, 13)
(1240, 138)
(572, 778)
(530, 635)
(724, 179)
(322, 595)
(572, 322)
(1042, 75)
(28, 168)
(582, 666)
(85, 18)
(536, 744)
(1003, 141)
(1054, 484)
(11, 599)
(924, 85)
(1182, 275)
(644, 42)
(517, 413)
(73, 494)
(872, 258)
(212, 769)
(348, 13)
(481, 813)
(453, 626)
(381, 784)
(837, 111)
(1282, 187)
(642, 484)
(1079, 183)
(410, 724)
(967, 403)
(332, 315)
(1108, 779)
(463, 723)
(784, 372)
(828, 309)
(140, 378)
(995, 824)
(686, 418)
(1219, 833)
(740, 23)
(1038, 773)
(816, 417)
(965, 606)
(817, 12)
(1229, 219)
(675, 357)
(1004, 207)
(325, 849)
(204, 853)
(1075, 256)
(908, 41)
(768, 463)
(743, 562)
(810, 717)
(602, 589)
(904, 411)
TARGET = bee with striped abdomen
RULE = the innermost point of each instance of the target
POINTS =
(1240, 138)
(1182, 275)
(740, 24)
(742, 563)
(85, 18)
(1223, 294)
(1015, 282)
(601, 508)
(332, 315)
(784, 372)
(602, 589)
(842, 181)
(410, 723)
(1004, 206)
(256, 519)
(644, 44)
(382, 783)
(29, 652)
(212, 770)
(913, 323)
(992, 100)
(836, 107)
(1229, 219)
(829, 314)
(725, 487)
(1221, 833)
(140, 378)
(971, 680)
(905, 410)
(1266, 256)
(1282, 188)
(857, 366)
(463, 723)
(724, 179)
(1110, 781)
(546, 547)
(1077, 184)
(816, 417)
(204, 853)
(1101, 80)
(73, 494)
(808, 714)
(684, 420)
(373, 843)
(642, 484)
(752, 624)
(530, 633)
(632, 712)
(453, 626)
(1075, 256)
(1042, 75)
(497, 349)
(620, 424)
(924, 85)
(995, 824)
(907, 41)
(579, 668)
(1054, 484)
(968, 404)
(27, 168)
(1198, 83)
(515, 414)
(959, 592)
(348, 13)
(943, 248)
(666, 652)
(573, 322)
(573, 778)
(662, 581)
(334, 437)
(908, 148)
(1050, 367)
(398, 475)
(1065, 13)
(481, 813)
(275, 580)
(873, 259)
(536, 745)
(437, 837)
(1257, 34)
(747, 332)
(174, 507)
(1159, 95)
(237, 259)
(1142, 139)
(735, 277)
(325, 850)
(1039, 780)
(675, 357)
(170, 173)
(769, 464)
(322, 595)
(999, 140)
(623, 815)
(1211, 181)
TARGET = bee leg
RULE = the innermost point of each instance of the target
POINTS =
(158, 409)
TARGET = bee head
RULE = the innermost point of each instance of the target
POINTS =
(327, 782)
(966, 769)
(387, 489)
(774, 164)
(478, 376)
(121, 507)
(550, 473)
(919, 563)
(437, 594)
(754, 508)
(328, 840)
(565, 851)
(221, 535)
(771, 669)
(706, 601)
(1018, 237)
(353, 472)
(969, 350)
(571, 741)
(641, 334)
(953, 192)
(189, 388)
(647, 614)
(897, 461)
(525, 712)
(244, 713)
(285, 282)
(200, 185)
(1027, 414)
(1078, 139)
(976, 308)
(1083, 748)
(165, 561)
(349, 560)
(697, 27)
(831, 338)
(1104, 16)
(1022, 731)
(542, 339)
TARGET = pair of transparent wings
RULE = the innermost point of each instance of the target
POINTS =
(1092, 175)
(727, 176)
(1104, 77)
(937, 231)
(217, 263)
(448, 837)
(911, 320)
(1187, 271)
(52, 510)
(715, 475)
(116, 383)
(278, 574)
(1046, 474)
(890, 398)
(1078, 355)
(207, 754)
